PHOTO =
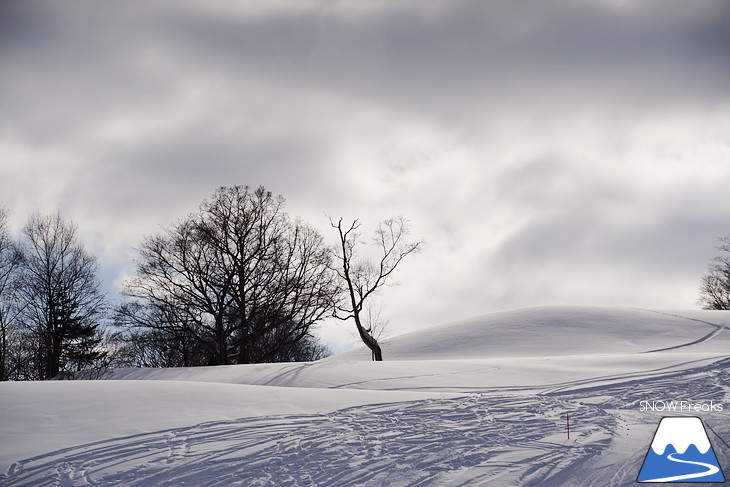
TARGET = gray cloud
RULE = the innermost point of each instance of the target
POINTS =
(500, 50)
(536, 145)
(472, 57)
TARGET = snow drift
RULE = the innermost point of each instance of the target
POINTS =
(483, 401)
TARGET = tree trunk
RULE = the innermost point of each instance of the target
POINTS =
(221, 343)
(377, 353)
(369, 340)
(4, 373)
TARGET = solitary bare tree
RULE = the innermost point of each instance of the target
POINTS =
(362, 278)
(715, 285)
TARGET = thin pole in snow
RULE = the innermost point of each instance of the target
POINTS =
(567, 423)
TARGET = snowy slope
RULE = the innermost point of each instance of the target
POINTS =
(535, 348)
(483, 401)
(559, 330)
(56, 414)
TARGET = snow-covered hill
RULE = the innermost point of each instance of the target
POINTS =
(483, 401)
(534, 349)
(560, 330)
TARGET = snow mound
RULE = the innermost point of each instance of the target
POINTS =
(549, 331)
(483, 401)
(545, 348)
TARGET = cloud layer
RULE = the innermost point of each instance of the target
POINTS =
(549, 152)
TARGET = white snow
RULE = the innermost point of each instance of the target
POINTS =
(57, 414)
(483, 401)
(557, 331)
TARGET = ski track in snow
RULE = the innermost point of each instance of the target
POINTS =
(714, 333)
(476, 439)
(464, 441)
(497, 436)
(710, 382)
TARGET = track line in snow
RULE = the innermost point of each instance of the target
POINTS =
(717, 330)
(659, 374)
(470, 440)
(407, 444)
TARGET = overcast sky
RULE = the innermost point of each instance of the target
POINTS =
(549, 152)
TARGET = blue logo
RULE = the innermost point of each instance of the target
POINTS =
(680, 452)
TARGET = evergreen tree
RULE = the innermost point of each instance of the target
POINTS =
(60, 297)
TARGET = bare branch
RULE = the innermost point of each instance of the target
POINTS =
(362, 279)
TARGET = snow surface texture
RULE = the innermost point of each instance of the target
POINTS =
(478, 402)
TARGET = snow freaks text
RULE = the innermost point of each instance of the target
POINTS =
(681, 406)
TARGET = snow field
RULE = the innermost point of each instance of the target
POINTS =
(427, 417)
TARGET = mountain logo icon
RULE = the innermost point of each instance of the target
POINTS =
(680, 452)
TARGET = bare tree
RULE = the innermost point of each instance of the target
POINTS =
(10, 261)
(236, 274)
(715, 285)
(61, 299)
(280, 270)
(375, 321)
(362, 278)
(307, 349)
(155, 335)
(184, 289)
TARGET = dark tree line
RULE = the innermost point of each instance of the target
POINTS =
(51, 304)
(715, 285)
(238, 281)
(10, 259)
